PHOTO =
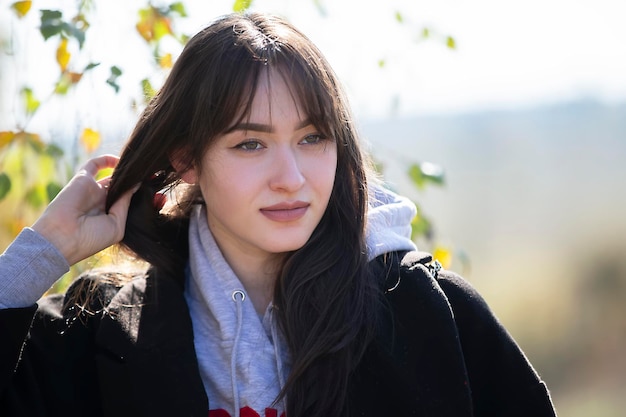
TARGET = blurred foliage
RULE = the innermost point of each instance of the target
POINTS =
(33, 168)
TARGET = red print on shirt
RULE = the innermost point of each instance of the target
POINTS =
(245, 412)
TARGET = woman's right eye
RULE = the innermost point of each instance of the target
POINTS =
(250, 145)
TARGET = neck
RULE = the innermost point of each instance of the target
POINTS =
(258, 275)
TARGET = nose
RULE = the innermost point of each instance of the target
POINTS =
(286, 175)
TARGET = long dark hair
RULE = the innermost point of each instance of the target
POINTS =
(323, 294)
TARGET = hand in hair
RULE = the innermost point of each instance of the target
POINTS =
(76, 223)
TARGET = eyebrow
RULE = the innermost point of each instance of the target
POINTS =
(260, 127)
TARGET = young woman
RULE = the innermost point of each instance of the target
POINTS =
(280, 281)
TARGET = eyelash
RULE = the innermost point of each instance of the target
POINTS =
(318, 138)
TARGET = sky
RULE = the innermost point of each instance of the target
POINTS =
(508, 54)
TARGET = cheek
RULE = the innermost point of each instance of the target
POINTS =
(330, 168)
(227, 181)
(211, 180)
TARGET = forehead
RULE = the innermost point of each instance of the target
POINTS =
(272, 97)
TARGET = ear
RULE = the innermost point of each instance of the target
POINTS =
(185, 170)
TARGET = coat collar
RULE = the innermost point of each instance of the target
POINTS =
(147, 332)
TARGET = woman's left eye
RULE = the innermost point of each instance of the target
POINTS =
(312, 139)
(250, 145)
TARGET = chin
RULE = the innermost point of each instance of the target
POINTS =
(287, 245)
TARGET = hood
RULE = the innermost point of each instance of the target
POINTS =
(388, 222)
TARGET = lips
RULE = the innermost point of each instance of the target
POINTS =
(286, 211)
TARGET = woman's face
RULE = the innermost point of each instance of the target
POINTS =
(267, 182)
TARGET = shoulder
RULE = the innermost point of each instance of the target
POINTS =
(415, 285)
(416, 271)
(435, 303)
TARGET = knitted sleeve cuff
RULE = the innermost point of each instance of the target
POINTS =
(28, 267)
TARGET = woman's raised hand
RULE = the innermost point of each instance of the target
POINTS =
(75, 222)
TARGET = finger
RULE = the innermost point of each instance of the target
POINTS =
(94, 165)
(105, 182)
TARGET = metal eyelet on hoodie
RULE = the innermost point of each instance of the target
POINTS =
(238, 297)
(240, 293)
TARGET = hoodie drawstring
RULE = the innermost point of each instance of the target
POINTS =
(238, 297)
(276, 341)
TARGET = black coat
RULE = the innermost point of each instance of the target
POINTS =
(440, 352)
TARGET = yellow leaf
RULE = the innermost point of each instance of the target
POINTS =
(16, 226)
(145, 30)
(443, 255)
(6, 138)
(147, 22)
(450, 42)
(166, 61)
(161, 27)
(63, 56)
(21, 8)
(103, 173)
(241, 6)
(90, 139)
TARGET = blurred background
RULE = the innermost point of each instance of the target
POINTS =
(504, 121)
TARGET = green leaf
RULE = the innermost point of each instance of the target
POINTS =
(36, 197)
(51, 23)
(31, 104)
(379, 167)
(113, 84)
(148, 90)
(424, 173)
(75, 32)
(179, 8)
(63, 85)
(51, 15)
(381, 63)
(34, 141)
(241, 5)
(421, 227)
(399, 17)
(425, 33)
(91, 65)
(112, 80)
(5, 185)
(52, 189)
(116, 71)
(55, 151)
